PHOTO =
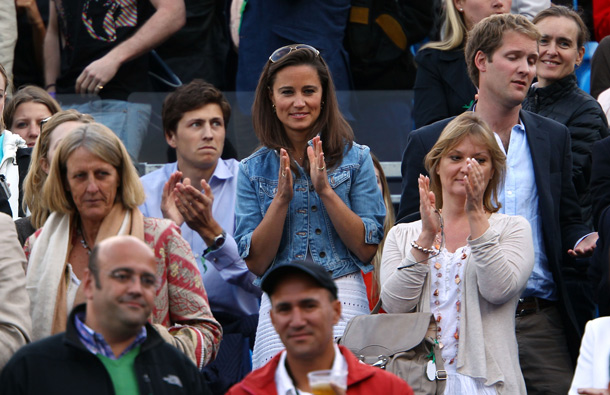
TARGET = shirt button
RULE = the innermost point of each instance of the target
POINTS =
(318, 231)
(311, 187)
(314, 208)
(509, 193)
(322, 254)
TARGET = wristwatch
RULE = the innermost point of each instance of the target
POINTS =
(219, 241)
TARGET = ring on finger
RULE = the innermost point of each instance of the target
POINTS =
(283, 174)
(322, 168)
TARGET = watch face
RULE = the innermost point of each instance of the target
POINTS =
(219, 240)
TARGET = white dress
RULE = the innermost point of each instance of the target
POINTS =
(447, 271)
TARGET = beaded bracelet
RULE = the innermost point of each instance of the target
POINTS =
(422, 249)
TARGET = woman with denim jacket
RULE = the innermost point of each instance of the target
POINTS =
(310, 192)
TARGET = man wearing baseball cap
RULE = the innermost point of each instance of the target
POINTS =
(304, 308)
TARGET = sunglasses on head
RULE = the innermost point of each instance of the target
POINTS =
(283, 51)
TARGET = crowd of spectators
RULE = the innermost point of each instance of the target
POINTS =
(505, 187)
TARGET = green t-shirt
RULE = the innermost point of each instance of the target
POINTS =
(122, 372)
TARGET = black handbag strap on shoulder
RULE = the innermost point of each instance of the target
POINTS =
(24, 155)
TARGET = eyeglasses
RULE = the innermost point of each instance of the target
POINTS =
(42, 122)
(147, 280)
(283, 51)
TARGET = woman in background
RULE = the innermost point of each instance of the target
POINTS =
(26, 110)
(53, 131)
(442, 86)
(557, 96)
(93, 192)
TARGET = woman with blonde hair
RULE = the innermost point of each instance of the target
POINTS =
(54, 129)
(442, 86)
(463, 261)
(93, 192)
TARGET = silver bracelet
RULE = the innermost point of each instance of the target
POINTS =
(422, 249)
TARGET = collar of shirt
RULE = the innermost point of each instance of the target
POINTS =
(95, 343)
(518, 128)
(221, 172)
(283, 381)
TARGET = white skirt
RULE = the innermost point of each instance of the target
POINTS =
(458, 384)
(352, 294)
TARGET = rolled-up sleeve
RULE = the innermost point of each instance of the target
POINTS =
(247, 211)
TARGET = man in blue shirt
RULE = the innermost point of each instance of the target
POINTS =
(501, 55)
(194, 120)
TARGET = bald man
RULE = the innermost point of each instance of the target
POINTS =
(108, 347)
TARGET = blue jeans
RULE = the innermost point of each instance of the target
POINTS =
(127, 120)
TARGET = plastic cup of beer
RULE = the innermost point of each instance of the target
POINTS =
(320, 381)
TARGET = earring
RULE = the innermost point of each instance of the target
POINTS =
(461, 10)
(322, 105)
(273, 106)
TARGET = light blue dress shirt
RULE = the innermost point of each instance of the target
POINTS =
(227, 280)
(519, 196)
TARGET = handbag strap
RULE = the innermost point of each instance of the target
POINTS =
(377, 307)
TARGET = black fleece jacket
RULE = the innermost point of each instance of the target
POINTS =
(564, 102)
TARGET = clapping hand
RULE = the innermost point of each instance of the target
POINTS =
(196, 209)
(475, 185)
(317, 166)
(284, 184)
(168, 199)
(431, 224)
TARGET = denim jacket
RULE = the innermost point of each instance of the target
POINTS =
(307, 222)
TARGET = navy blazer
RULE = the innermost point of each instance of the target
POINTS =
(560, 213)
(599, 271)
(442, 86)
(600, 178)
